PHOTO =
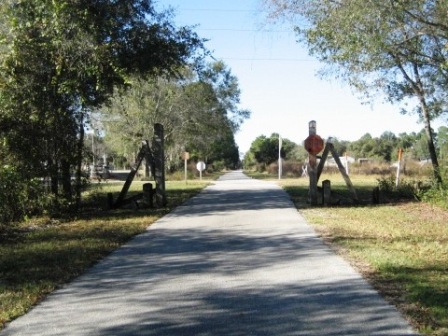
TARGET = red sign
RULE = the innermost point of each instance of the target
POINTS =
(314, 144)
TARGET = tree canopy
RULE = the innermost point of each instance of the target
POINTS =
(397, 48)
(265, 150)
(200, 114)
(61, 59)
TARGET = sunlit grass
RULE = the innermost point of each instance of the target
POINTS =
(401, 247)
(38, 256)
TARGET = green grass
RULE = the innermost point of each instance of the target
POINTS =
(400, 246)
(38, 256)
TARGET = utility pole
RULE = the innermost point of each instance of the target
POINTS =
(280, 168)
(314, 145)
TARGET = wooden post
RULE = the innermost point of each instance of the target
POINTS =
(326, 192)
(322, 161)
(312, 172)
(342, 170)
(313, 145)
(110, 200)
(400, 156)
(148, 194)
(130, 178)
(312, 162)
(376, 195)
(159, 165)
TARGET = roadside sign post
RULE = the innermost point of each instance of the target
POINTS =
(280, 168)
(314, 145)
(185, 157)
(201, 167)
(400, 157)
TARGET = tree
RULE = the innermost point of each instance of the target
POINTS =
(215, 98)
(363, 148)
(406, 141)
(442, 142)
(226, 87)
(420, 149)
(61, 59)
(200, 114)
(397, 48)
(264, 150)
(382, 148)
(130, 115)
(386, 146)
(225, 151)
(340, 146)
(298, 153)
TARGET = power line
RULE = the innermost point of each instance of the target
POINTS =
(245, 30)
(267, 59)
(230, 29)
(217, 10)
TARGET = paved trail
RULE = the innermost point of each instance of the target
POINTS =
(238, 259)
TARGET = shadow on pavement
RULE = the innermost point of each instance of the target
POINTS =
(198, 271)
(187, 283)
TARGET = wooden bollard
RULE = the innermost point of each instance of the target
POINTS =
(326, 192)
(110, 200)
(376, 195)
(148, 194)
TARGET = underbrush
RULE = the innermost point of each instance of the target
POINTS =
(400, 246)
(20, 198)
(42, 253)
(436, 195)
(406, 188)
(410, 169)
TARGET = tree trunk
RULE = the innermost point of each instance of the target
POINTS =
(418, 88)
(79, 157)
(66, 179)
(430, 141)
(54, 178)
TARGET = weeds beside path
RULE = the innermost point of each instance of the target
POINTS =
(38, 256)
(401, 247)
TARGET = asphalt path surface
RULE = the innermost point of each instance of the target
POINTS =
(238, 259)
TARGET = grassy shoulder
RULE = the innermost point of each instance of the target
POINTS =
(400, 246)
(38, 256)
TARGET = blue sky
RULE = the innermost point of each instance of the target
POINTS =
(278, 80)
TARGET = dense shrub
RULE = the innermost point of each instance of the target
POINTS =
(436, 194)
(406, 188)
(179, 175)
(371, 168)
(19, 197)
(289, 169)
(217, 166)
(410, 168)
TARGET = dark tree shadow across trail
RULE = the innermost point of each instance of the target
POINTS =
(198, 272)
(311, 307)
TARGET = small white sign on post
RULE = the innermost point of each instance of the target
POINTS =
(185, 157)
(201, 167)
